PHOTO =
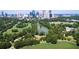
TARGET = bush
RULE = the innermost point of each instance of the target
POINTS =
(76, 37)
(67, 38)
(51, 39)
(35, 42)
(28, 36)
(64, 38)
(25, 42)
(19, 44)
(14, 30)
(77, 42)
(46, 24)
(21, 25)
(54, 41)
(5, 45)
(48, 40)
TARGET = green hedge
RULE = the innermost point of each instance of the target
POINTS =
(26, 42)
(5, 45)
(14, 30)
(21, 25)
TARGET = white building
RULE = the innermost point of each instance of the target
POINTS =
(69, 29)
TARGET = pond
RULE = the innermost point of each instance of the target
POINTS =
(41, 29)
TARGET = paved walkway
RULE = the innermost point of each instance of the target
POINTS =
(12, 47)
(66, 41)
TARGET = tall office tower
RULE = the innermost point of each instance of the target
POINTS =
(6, 14)
(43, 13)
(30, 14)
(33, 14)
(19, 14)
(50, 14)
(2, 13)
(37, 14)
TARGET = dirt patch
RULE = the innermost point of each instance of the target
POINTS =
(38, 37)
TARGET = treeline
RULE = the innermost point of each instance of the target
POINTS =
(5, 24)
(45, 23)
(62, 18)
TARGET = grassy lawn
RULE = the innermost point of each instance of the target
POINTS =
(58, 22)
(9, 31)
(59, 45)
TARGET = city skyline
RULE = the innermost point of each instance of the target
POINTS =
(28, 11)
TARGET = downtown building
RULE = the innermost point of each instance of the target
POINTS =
(40, 14)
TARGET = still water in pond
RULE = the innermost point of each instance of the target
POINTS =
(42, 29)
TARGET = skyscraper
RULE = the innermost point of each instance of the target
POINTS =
(43, 13)
(50, 14)
(6, 14)
(33, 13)
(37, 14)
(2, 14)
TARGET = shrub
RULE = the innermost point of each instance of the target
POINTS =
(21, 25)
(25, 42)
(19, 44)
(76, 37)
(51, 39)
(48, 40)
(43, 38)
(14, 30)
(68, 38)
(28, 36)
(77, 42)
(54, 41)
(35, 42)
(5, 45)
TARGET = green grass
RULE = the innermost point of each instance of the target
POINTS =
(9, 31)
(58, 22)
(59, 45)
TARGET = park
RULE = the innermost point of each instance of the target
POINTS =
(38, 34)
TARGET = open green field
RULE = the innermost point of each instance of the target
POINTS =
(9, 31)
(58, 22)
(59, 45)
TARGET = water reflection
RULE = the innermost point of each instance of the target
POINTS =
(41, 29)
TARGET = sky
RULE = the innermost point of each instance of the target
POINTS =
(53, 11)
(66, 11)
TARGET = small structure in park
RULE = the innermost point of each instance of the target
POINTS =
(69, 29)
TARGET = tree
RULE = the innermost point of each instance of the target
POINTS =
(5, 45)
(7, 37)
(77, 42)
(14, 30)
(19, 44)
(45, 23)
(55, 33)
(51, 38)
(35, 42)
(57, 30)
(76, 37)
(26, 42)
(28, 36)
(21, 25)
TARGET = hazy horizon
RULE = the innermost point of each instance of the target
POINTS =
(53, 11)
